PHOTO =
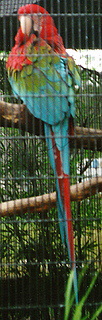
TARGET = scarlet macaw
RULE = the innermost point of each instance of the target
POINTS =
(43, 75)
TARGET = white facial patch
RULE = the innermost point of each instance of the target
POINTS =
(26, 24)
(38, 20)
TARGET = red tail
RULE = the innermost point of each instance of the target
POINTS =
(64, 186)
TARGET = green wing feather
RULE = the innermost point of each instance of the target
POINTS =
(46, 74)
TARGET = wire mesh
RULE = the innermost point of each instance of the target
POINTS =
(34, 266)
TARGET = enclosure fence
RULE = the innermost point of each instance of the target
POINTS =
(34, 263)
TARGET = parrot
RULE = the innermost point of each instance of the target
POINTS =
(44, 76)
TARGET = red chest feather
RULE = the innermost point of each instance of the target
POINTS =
(18, 55)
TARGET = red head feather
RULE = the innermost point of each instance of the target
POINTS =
(49, 31)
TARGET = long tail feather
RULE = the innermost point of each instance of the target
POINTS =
(63, 201)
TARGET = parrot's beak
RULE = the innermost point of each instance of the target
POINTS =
(25, 24)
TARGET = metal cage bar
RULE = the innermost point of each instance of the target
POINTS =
(34, 267)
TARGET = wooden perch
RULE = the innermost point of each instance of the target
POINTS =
(45, 202)
(17, 115)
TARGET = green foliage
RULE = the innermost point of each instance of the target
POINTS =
(77, 310)
(88, 111)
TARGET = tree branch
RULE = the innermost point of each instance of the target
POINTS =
(17, 115)
(45, 202)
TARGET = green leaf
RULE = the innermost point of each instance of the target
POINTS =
(96, 314)
(78, 310)
(68, 300)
